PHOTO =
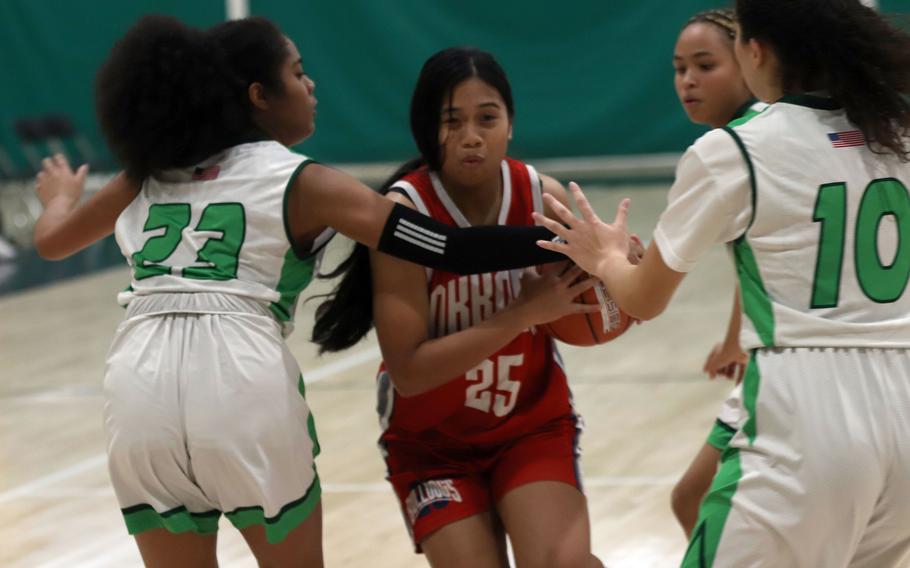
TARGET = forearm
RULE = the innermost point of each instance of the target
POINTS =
(735, 324)
(417, 238)
(436, 362)
(50, 242)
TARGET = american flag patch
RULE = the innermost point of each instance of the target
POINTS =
(206, 174)
(847, 139)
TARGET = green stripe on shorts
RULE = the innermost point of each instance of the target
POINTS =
(141, 518)
(288, 518)
(713, 513)
(715, 508)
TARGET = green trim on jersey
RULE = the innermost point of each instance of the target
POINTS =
(756, 302)
(284, 203)
(720, 435)
(141, 518)
(811, 101)
(746, 113)
(752, 182)
(288, 518)
(296, 274)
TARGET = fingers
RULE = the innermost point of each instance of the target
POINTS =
(579, 287)
(82, 173)
(560, 210)
(571, 274)
(587, 212)
(554, 227)
(622, 215)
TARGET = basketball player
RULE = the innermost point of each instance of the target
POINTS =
(204, 406)
(813, 193)
(712, 92)
(479, 432)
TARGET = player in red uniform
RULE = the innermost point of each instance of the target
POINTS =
(479, 433)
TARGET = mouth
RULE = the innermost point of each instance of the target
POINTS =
(472, 161)
(689, 101)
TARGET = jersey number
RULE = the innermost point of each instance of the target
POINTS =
(217, 258)
(481, 397)
(880, 282)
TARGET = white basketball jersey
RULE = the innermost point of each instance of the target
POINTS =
(220, 227)
(819, 226)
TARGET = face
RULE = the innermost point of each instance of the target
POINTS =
(474, 133)
(707, 77)
(290, 116)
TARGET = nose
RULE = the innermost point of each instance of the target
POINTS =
(689, 78)
(310, 84)
(472, 137)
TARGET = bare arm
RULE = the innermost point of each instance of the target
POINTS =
(418, 363)
(65, 227)
(642, 291)
(727, 358)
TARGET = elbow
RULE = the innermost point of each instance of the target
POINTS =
(646, 310)
(405, 386)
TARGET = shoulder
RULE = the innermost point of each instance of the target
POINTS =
(552, 186)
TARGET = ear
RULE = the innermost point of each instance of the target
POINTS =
(256, 93)
(758, 52)
(510, 130)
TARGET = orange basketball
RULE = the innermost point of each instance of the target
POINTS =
(589, 329)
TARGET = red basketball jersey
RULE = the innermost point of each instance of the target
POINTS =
(520, 387)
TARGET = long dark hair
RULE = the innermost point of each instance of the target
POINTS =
(170, 95)
(346, 316)
(845, 48)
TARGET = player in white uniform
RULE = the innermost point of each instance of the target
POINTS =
(712, 91)
(813, 194)
(203, 401)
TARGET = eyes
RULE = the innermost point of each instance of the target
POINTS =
(703, 67)
(485, 119)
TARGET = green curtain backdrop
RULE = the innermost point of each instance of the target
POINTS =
(589, 77)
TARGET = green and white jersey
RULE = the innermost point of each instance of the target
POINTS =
(818, 224)
(220, 227)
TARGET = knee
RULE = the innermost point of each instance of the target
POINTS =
(566, 556)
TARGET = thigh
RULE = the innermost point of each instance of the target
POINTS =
(250, 433)
(536, 485)
(799, 480)
(431, 500)
(162, 549)
(477, 541)
(301, 546)
(149, 465)
(547, 523)
(886, 540)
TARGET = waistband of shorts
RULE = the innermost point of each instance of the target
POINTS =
(195, 303)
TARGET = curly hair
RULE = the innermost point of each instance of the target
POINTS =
(845, 48)
(169, 95)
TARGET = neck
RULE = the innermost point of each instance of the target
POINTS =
(480, 202)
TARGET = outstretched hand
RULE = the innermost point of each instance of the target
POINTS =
(57, 180)
(587, 240)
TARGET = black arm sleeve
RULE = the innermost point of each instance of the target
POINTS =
(410, 235)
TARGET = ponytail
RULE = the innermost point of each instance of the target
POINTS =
(346, 316)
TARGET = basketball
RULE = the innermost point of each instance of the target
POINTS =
(588, 328)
